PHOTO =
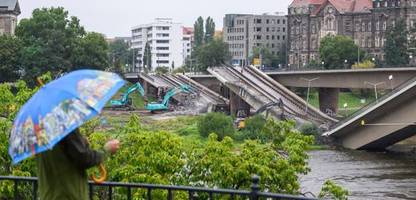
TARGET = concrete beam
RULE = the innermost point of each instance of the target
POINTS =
(387, 124)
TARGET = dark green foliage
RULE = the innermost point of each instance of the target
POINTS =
(53, 41)
(147, 57)
(217, 123)
(334, 50)
(209, 30)
(396, 45)
(199, 32)
(162, 70)
(253, 129)
(92, 52)
(309, 129)
(212, 54)
(10, 48)
(120, 53)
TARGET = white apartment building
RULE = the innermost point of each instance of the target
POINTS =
(165, 38)
(188, 42)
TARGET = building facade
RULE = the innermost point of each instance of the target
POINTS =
(9, 10)
(243, 33)
(187, 42)
(165, 38)
(365, 21)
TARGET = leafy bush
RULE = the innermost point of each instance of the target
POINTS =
(162, 70)
(364, 65)
(217, 123)
(254, 126)
(331, 190)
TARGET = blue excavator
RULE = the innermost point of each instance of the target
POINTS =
(164, 105)
(125, 102)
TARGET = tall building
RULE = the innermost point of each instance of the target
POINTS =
(187, 42)
(365, 21)
(165, 38)
(244, 32)
(9, 10)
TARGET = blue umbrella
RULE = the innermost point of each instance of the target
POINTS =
(58, 108)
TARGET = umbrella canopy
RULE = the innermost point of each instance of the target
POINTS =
(58, 108)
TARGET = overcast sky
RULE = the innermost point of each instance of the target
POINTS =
(115, 18)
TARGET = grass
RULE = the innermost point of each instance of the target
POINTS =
(353, 102)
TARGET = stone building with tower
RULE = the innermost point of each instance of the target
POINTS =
(9, 10)
(365, 21)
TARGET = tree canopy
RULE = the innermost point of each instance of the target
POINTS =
(334, 50)
(212, 54)
(396, 47)
(9, 58)
(53, 41)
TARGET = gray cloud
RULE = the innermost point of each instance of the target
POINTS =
(115, 18)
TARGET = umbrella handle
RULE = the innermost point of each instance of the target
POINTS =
(103, 175)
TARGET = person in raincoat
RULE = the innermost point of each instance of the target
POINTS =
(62, 170)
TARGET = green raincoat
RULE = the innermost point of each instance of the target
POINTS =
(62, 170)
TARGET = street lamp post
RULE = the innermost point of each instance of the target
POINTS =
(323, 65)
(345, 64)
(309, 89)
(391, 81)
(375, 87)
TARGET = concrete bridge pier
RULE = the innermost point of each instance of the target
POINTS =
(328, 100)
(237, 103)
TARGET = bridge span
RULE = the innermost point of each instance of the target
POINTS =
(382, 123)
(258, 89)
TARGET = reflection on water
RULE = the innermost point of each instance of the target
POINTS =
(367, 175)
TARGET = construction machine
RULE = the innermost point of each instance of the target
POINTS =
(164, 105)
(125, 101)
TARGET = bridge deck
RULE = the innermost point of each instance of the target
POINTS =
(386, 121)
(257, 89)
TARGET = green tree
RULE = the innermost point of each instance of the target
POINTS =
(49, 39)
(92, 52)
(396, 47)
(334, 50)
(209, 30)
(212, 54)
(198, 32)
(217, 123)
(120, 51)
(53, 41)
(9, 58)
(147, 57)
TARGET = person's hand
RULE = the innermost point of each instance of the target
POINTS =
(112, 146)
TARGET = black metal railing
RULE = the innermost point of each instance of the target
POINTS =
(108, 190)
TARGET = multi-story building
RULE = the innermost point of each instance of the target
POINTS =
(244, 32)
(365, 21)
(187, 42)
(9, 10)
(165, 39)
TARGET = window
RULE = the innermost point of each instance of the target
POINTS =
(162, 41)
(267, 37)
(272, 37)
(267, 21)
(162, 55)
(284, 29)
(283, 37)
(272, 45)
(163, 48)
(258, 37)
(258, 29)
(278, 37)
(258, 21)
(278, 21)
(267, 29)
(284, 21)
(162, 61)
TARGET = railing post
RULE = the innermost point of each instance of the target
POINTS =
(35, 191)
(16, 193)
(91, 192)
(255, 187)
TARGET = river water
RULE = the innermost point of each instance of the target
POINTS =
(367, 175)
